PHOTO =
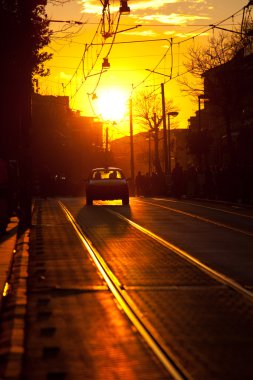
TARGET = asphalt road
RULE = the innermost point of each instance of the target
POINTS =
(184, 267)
(219, 235)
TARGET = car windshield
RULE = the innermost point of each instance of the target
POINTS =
(106, 174)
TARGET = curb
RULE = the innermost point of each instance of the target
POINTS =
(14, 313)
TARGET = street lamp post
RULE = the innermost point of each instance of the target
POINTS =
(106, 146)
(131, 147)
(165, 145)
(149, 152)
(106, 141)
(173, 114)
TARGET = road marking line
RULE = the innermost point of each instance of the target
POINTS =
(207, 207)
(201, 219)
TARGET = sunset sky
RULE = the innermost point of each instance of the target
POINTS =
(143, 43)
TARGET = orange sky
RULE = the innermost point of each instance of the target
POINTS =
(78, 53)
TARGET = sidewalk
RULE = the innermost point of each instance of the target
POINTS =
(7, 246)
(63, 311)
(13, 282)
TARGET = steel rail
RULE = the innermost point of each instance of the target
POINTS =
(225, 280)
(202, 219)
(153, 340)
(207, 207)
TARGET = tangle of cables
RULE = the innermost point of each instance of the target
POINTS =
(107, 28)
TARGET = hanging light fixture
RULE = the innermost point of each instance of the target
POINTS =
(124, 8)
(106, 64)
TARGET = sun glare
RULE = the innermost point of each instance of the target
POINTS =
(112, 104)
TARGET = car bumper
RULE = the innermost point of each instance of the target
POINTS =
(107, 192)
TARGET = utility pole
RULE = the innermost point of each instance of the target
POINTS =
(106, 147)
(165, 146)
(131, 147)
(174, 114)
(156, 141)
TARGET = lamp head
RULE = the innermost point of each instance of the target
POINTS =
(124, 8)
(106, 64)
(173, 113)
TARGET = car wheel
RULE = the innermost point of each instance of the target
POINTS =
(89, 201)
(125, 201)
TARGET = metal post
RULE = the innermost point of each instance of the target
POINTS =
(166, 166)
(149, 153)
(131, 147)
(174, 114)
(199, 113)
(156, 137)
(169, 153)
(106, 147)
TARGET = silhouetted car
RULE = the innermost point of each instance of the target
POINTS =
(107, 184)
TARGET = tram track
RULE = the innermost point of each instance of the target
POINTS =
(208, 207)
(206, 220)
(151, 337)
(152, 314)
(120, 292)
(225, 280)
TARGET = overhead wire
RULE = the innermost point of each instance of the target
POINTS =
(164, 55)
(84, 53)
(211, 27)
(107, 55)
(139, 41)
(106, 34)
(113, 42)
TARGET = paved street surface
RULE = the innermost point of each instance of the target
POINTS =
(7, 244)
(74, 327)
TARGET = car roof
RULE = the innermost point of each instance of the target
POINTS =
(107, 168)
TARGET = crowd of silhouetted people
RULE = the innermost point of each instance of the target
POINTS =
(214, 183)
(232, 184)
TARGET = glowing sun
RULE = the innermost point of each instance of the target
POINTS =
(111, 104)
